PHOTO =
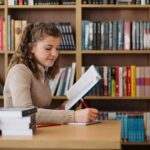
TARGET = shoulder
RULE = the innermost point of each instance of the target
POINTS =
(20, 69)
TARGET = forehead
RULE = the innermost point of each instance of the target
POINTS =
(50, 40)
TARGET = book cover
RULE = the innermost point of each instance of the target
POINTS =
(17, 111)
(82, 86)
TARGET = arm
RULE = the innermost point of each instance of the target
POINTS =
(19, 83)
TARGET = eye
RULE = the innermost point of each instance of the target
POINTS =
(48, 48)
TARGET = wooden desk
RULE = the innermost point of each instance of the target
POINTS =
(101, 136)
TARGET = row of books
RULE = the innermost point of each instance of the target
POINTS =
(41, 2)
(135, 126)
(115, 35)
(142, 2)
(16, 28)
(68, 40)
(18, 121)
(63, 80)
(122, 81)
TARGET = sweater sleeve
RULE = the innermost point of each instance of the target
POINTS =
(54, 116)
(19, 84)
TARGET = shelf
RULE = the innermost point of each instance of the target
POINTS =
(67, 52)
(116, 98)
(116, 52)
(43, 7)
(116, 6)
(106, 98)
(135, 143)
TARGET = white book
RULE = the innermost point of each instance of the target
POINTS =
(14, 126)
(82, 86)
(60, 85)
(17, 111)
(18, 120)
(28, 132)
(30, 2)
(84, 123)
(11, 2)
(54, 83)
(73, 69)
(67, 80)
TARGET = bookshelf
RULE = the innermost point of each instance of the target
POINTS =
(75, 14)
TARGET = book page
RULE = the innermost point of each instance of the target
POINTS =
(82, 86)
(85, 123)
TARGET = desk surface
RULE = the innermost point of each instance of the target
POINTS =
(100, 136)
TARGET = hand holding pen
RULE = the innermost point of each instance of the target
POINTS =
(86, 115)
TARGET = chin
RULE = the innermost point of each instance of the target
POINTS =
(49, 65)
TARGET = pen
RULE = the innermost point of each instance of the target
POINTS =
(48, 125)
(84, 103)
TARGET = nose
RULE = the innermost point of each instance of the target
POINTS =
(54, 52)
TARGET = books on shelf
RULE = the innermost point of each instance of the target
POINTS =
(133, 128)
(82, 86)
(122, 81)
(63, 80)
(117, 2)
(16, 28)
(115, 35)
(37, 2)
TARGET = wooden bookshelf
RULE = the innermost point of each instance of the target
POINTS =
(114, 52)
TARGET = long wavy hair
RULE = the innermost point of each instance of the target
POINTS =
(33, 33)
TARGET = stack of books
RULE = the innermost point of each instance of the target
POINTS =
(18, 121)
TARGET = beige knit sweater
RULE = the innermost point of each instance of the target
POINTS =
(23, 89)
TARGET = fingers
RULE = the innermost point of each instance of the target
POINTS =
(86, 115)
(93, 114)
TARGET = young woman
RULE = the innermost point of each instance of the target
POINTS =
(31, 67)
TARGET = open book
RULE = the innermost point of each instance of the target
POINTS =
(84, 123)
(82, 86)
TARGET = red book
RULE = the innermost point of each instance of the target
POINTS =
(127, 26)
(20, 2)
(124, 81)
(117, 80)
(129, 81)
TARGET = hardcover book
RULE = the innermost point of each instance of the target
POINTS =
(17, 111)
(82, 86)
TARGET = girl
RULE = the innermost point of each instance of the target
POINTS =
(33, 64)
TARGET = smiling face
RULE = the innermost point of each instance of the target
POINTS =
(46, 51)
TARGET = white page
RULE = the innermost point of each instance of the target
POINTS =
(82, 86)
